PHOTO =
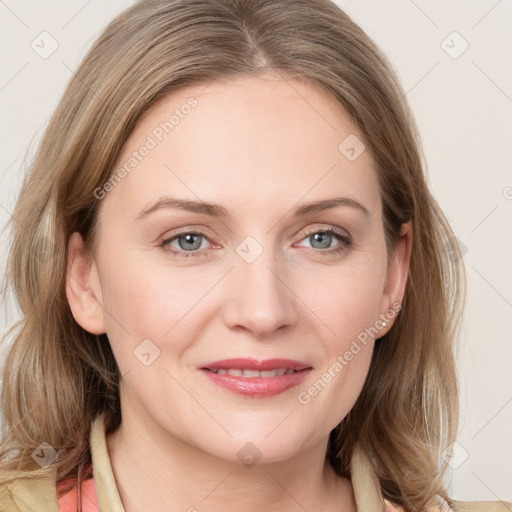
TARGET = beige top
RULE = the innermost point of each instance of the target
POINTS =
(21, 492)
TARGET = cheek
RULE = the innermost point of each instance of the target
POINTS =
(146, 303)
(347, 300)
(349, 311)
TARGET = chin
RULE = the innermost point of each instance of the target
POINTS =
(258, 446)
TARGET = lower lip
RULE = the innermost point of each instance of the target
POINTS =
(258, 386)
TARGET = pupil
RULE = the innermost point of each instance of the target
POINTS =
(189, 239)
(320, 237)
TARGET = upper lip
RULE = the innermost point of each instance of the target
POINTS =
(255, 364)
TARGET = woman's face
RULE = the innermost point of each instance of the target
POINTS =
(261, 279)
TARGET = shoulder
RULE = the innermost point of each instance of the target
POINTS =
(462, 506)
(391, 507)
(482, 506)
(26, 491)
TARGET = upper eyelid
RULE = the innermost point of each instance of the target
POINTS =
(309, 231)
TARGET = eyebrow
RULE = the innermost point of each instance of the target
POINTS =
(218, 211)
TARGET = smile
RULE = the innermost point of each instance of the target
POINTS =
(254, 373)
(257, 386)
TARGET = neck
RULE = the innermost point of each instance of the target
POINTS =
(156, 471)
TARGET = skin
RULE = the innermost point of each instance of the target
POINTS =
(259, 147)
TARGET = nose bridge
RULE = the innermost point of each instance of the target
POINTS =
(259, 298)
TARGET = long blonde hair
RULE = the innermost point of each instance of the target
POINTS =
(58, 378)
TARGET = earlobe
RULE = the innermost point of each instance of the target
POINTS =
(397, 273)
(83, 288)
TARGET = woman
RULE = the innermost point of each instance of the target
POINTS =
(237, 290)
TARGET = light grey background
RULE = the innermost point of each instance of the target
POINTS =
(463, 106)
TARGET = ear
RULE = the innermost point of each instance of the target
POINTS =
(83, 288)
(396, 275)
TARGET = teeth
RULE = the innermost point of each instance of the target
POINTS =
(251, 373)
(254, 373)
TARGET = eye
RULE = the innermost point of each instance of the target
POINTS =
(189, 243)
(321, 239)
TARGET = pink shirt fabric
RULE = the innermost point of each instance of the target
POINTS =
(68, 498)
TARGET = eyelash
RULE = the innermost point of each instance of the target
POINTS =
(345, 240)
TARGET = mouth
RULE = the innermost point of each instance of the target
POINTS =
(247, 367)
(251, 374)
(254, 378)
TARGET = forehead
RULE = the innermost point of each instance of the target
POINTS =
(245, 143)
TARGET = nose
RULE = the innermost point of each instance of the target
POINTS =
(258, 298)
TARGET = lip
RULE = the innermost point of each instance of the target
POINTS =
(255, 364)
(257, 387)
